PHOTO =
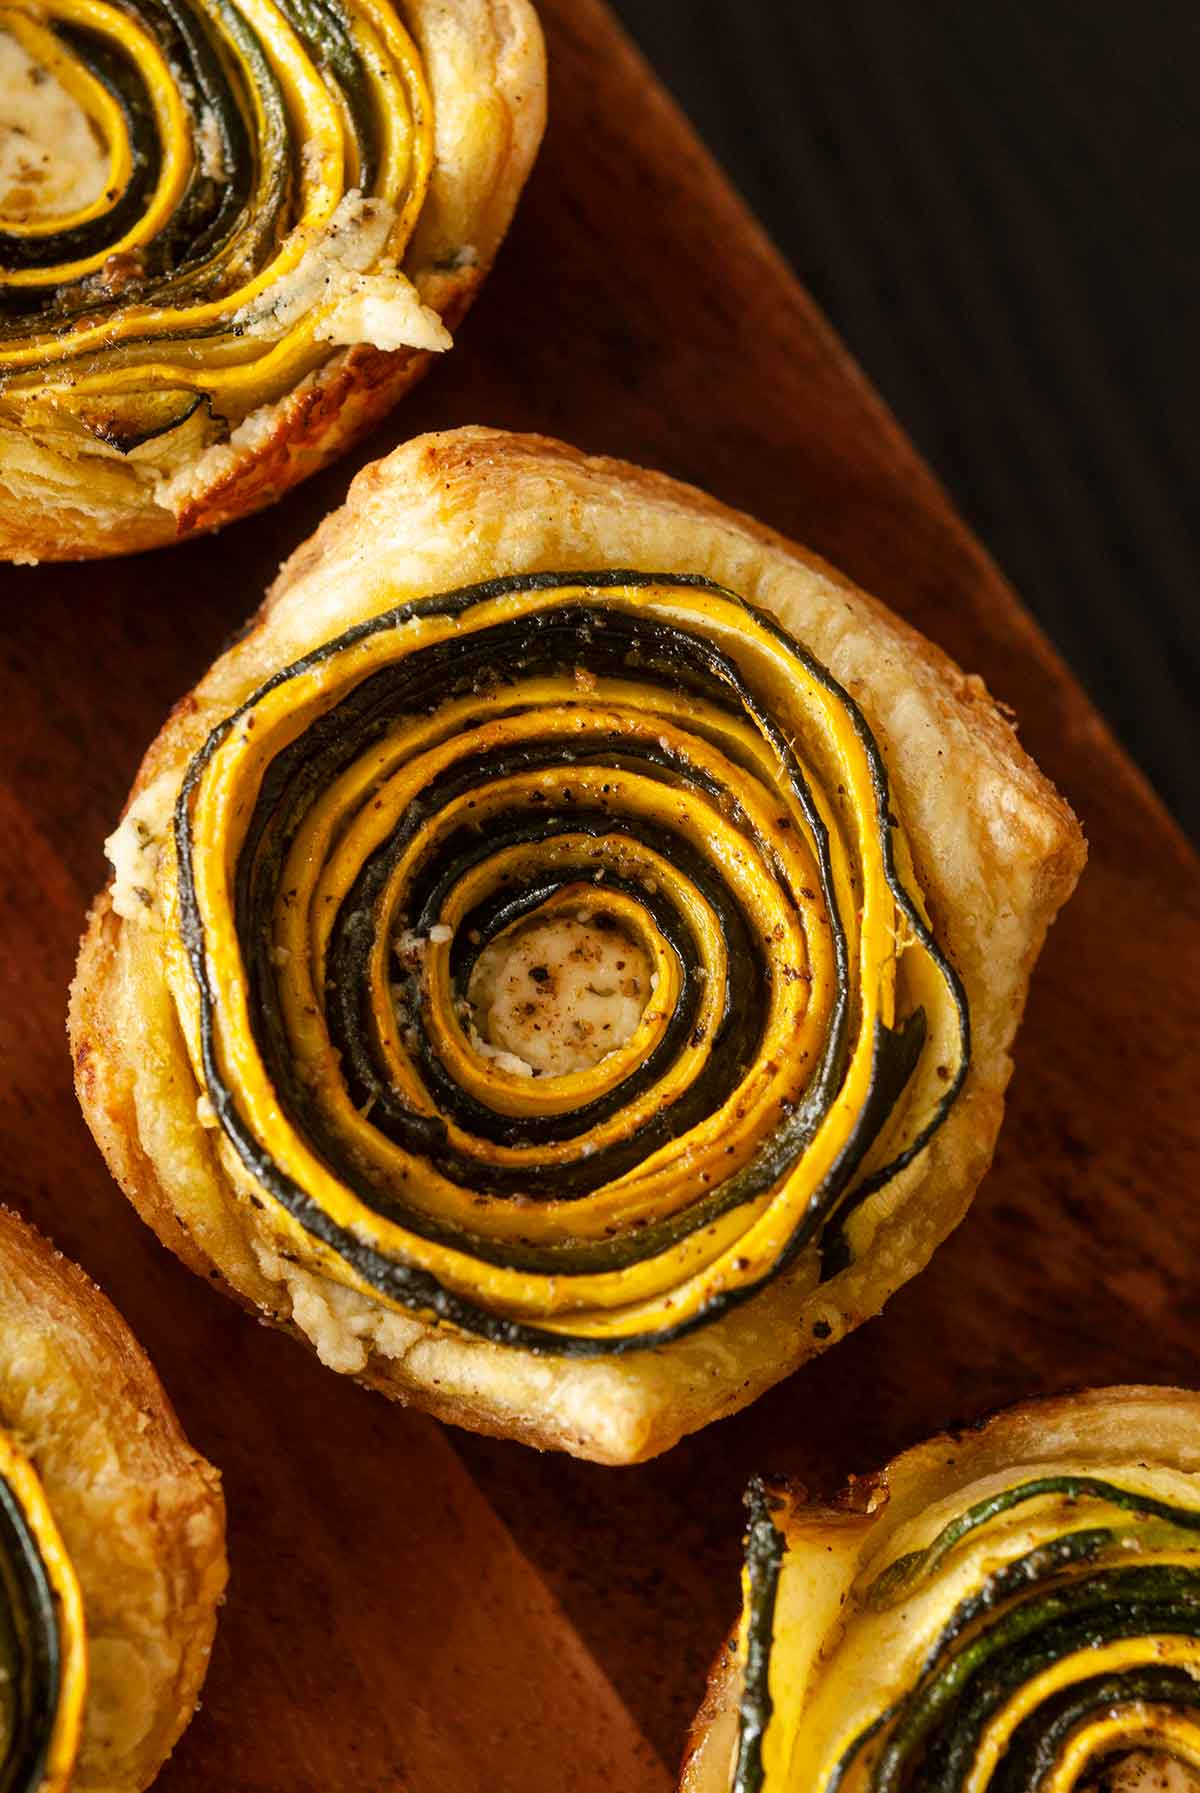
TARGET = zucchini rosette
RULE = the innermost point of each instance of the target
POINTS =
(1013, 1609)
(528, 973)
(112, 1539)
(232, 234)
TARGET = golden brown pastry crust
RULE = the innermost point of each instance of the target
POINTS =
(996, 850)
(100, 504)
(140, 1512)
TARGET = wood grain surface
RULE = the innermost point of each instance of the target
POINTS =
(415, 1609)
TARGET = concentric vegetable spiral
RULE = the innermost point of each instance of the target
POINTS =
(43, 1659)
(1016, 1611)
(644, 753)
(266, 162)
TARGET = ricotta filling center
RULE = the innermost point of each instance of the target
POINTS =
(558, 994)
(51, 158)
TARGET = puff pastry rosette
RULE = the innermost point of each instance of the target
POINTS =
(232, 234)
(562, 960)
(112, 1539)
(1015, 1609)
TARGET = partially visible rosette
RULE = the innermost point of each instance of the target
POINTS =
(208, 205)
(1014, 1608)
(112, 1556)
(638, 759)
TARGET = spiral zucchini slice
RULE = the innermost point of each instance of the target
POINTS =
(43, 1656)
(642, 753)
(1016, 1610)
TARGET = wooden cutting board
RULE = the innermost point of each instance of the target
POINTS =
(413, 1608)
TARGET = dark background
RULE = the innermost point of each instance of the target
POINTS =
(997, 204)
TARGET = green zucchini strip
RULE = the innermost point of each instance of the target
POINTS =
(656, 750)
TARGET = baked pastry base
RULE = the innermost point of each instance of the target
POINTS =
(996, 851)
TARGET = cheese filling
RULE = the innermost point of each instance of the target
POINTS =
(558, 995)
(132, 849)
(52, 161)
(363, 297)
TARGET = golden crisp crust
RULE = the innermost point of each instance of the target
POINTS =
(1126, 1423)
(313, 426)
(98, 505)
(140, 1512)
(996, 849)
